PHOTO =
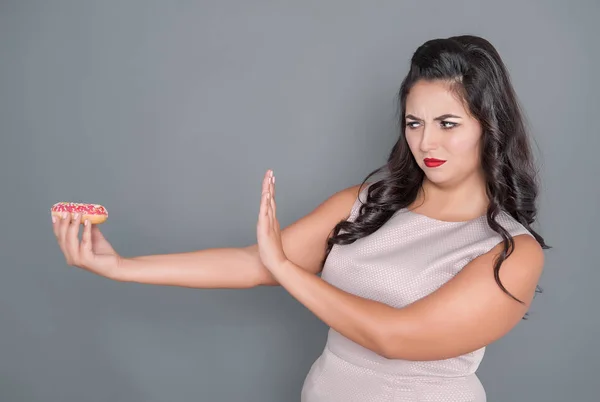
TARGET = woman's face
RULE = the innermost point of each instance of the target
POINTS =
(439, 127)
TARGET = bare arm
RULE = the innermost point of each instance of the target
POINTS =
(466, 313)
(304, 243)
(209, 268)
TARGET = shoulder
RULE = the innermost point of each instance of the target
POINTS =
(336, 207)
(354, 197)
(526, 250)
(512, 225)
(347, 199)
(519, 272)
(526, 260)
(351, 193)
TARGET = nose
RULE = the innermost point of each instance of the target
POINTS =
(429, 139)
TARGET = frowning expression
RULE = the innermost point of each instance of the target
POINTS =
(443, 137)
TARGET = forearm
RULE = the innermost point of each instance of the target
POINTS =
(209, 268)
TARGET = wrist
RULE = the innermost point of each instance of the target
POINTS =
(122, 269)
(287, 267)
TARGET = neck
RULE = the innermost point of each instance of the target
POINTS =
(468, 198)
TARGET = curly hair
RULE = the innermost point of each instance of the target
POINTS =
(478, 75)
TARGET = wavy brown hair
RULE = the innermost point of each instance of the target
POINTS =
(480, 78)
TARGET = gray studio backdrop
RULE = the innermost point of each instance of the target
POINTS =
(168, 113)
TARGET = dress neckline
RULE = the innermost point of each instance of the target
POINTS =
(481, 217)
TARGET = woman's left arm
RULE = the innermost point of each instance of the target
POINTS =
(466, 313)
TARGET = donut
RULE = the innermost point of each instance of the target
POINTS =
(94, 213)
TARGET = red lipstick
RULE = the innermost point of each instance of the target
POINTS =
(432, 162)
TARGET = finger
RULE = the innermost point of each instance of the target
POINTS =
(63, 225)
(95, 232)
(266, 188)
(85, 248)
(101, 245)
(55, 225)
(72, 239)
(275, 220)
(270, 210)
(273, 202)
(273, 184)
(263, 218)
(262, 211)
(265, 183)
(97, 236)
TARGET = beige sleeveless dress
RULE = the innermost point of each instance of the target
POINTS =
(410, 256)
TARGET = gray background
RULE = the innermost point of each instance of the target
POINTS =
(168, 113)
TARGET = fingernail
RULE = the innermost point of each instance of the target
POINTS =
(85, 223)
(75, 216)
(64, 215)
(53, 219)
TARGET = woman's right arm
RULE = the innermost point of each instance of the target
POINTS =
(209, 268)
(304, 243)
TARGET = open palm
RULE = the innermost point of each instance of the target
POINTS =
(268, 231)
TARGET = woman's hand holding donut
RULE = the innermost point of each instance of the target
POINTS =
(93, 253)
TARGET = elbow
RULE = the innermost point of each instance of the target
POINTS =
(414, 345)
(404, 337)
(408, 338)
(401, 351)
(414, 349)
(388, 347)
(393, 348)
(387, 344)
(396, 337)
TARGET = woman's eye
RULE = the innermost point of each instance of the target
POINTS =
(448, 124)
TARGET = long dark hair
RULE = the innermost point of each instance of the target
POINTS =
(482, 81)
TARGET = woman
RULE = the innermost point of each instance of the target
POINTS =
(411, 284)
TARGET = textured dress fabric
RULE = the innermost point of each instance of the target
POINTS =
(407, 258)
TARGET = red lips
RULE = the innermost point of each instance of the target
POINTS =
(432, 162)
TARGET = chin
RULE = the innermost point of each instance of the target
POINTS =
(438, 178)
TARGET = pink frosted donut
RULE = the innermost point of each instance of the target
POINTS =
(94, 213)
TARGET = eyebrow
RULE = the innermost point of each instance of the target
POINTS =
(439, 118)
